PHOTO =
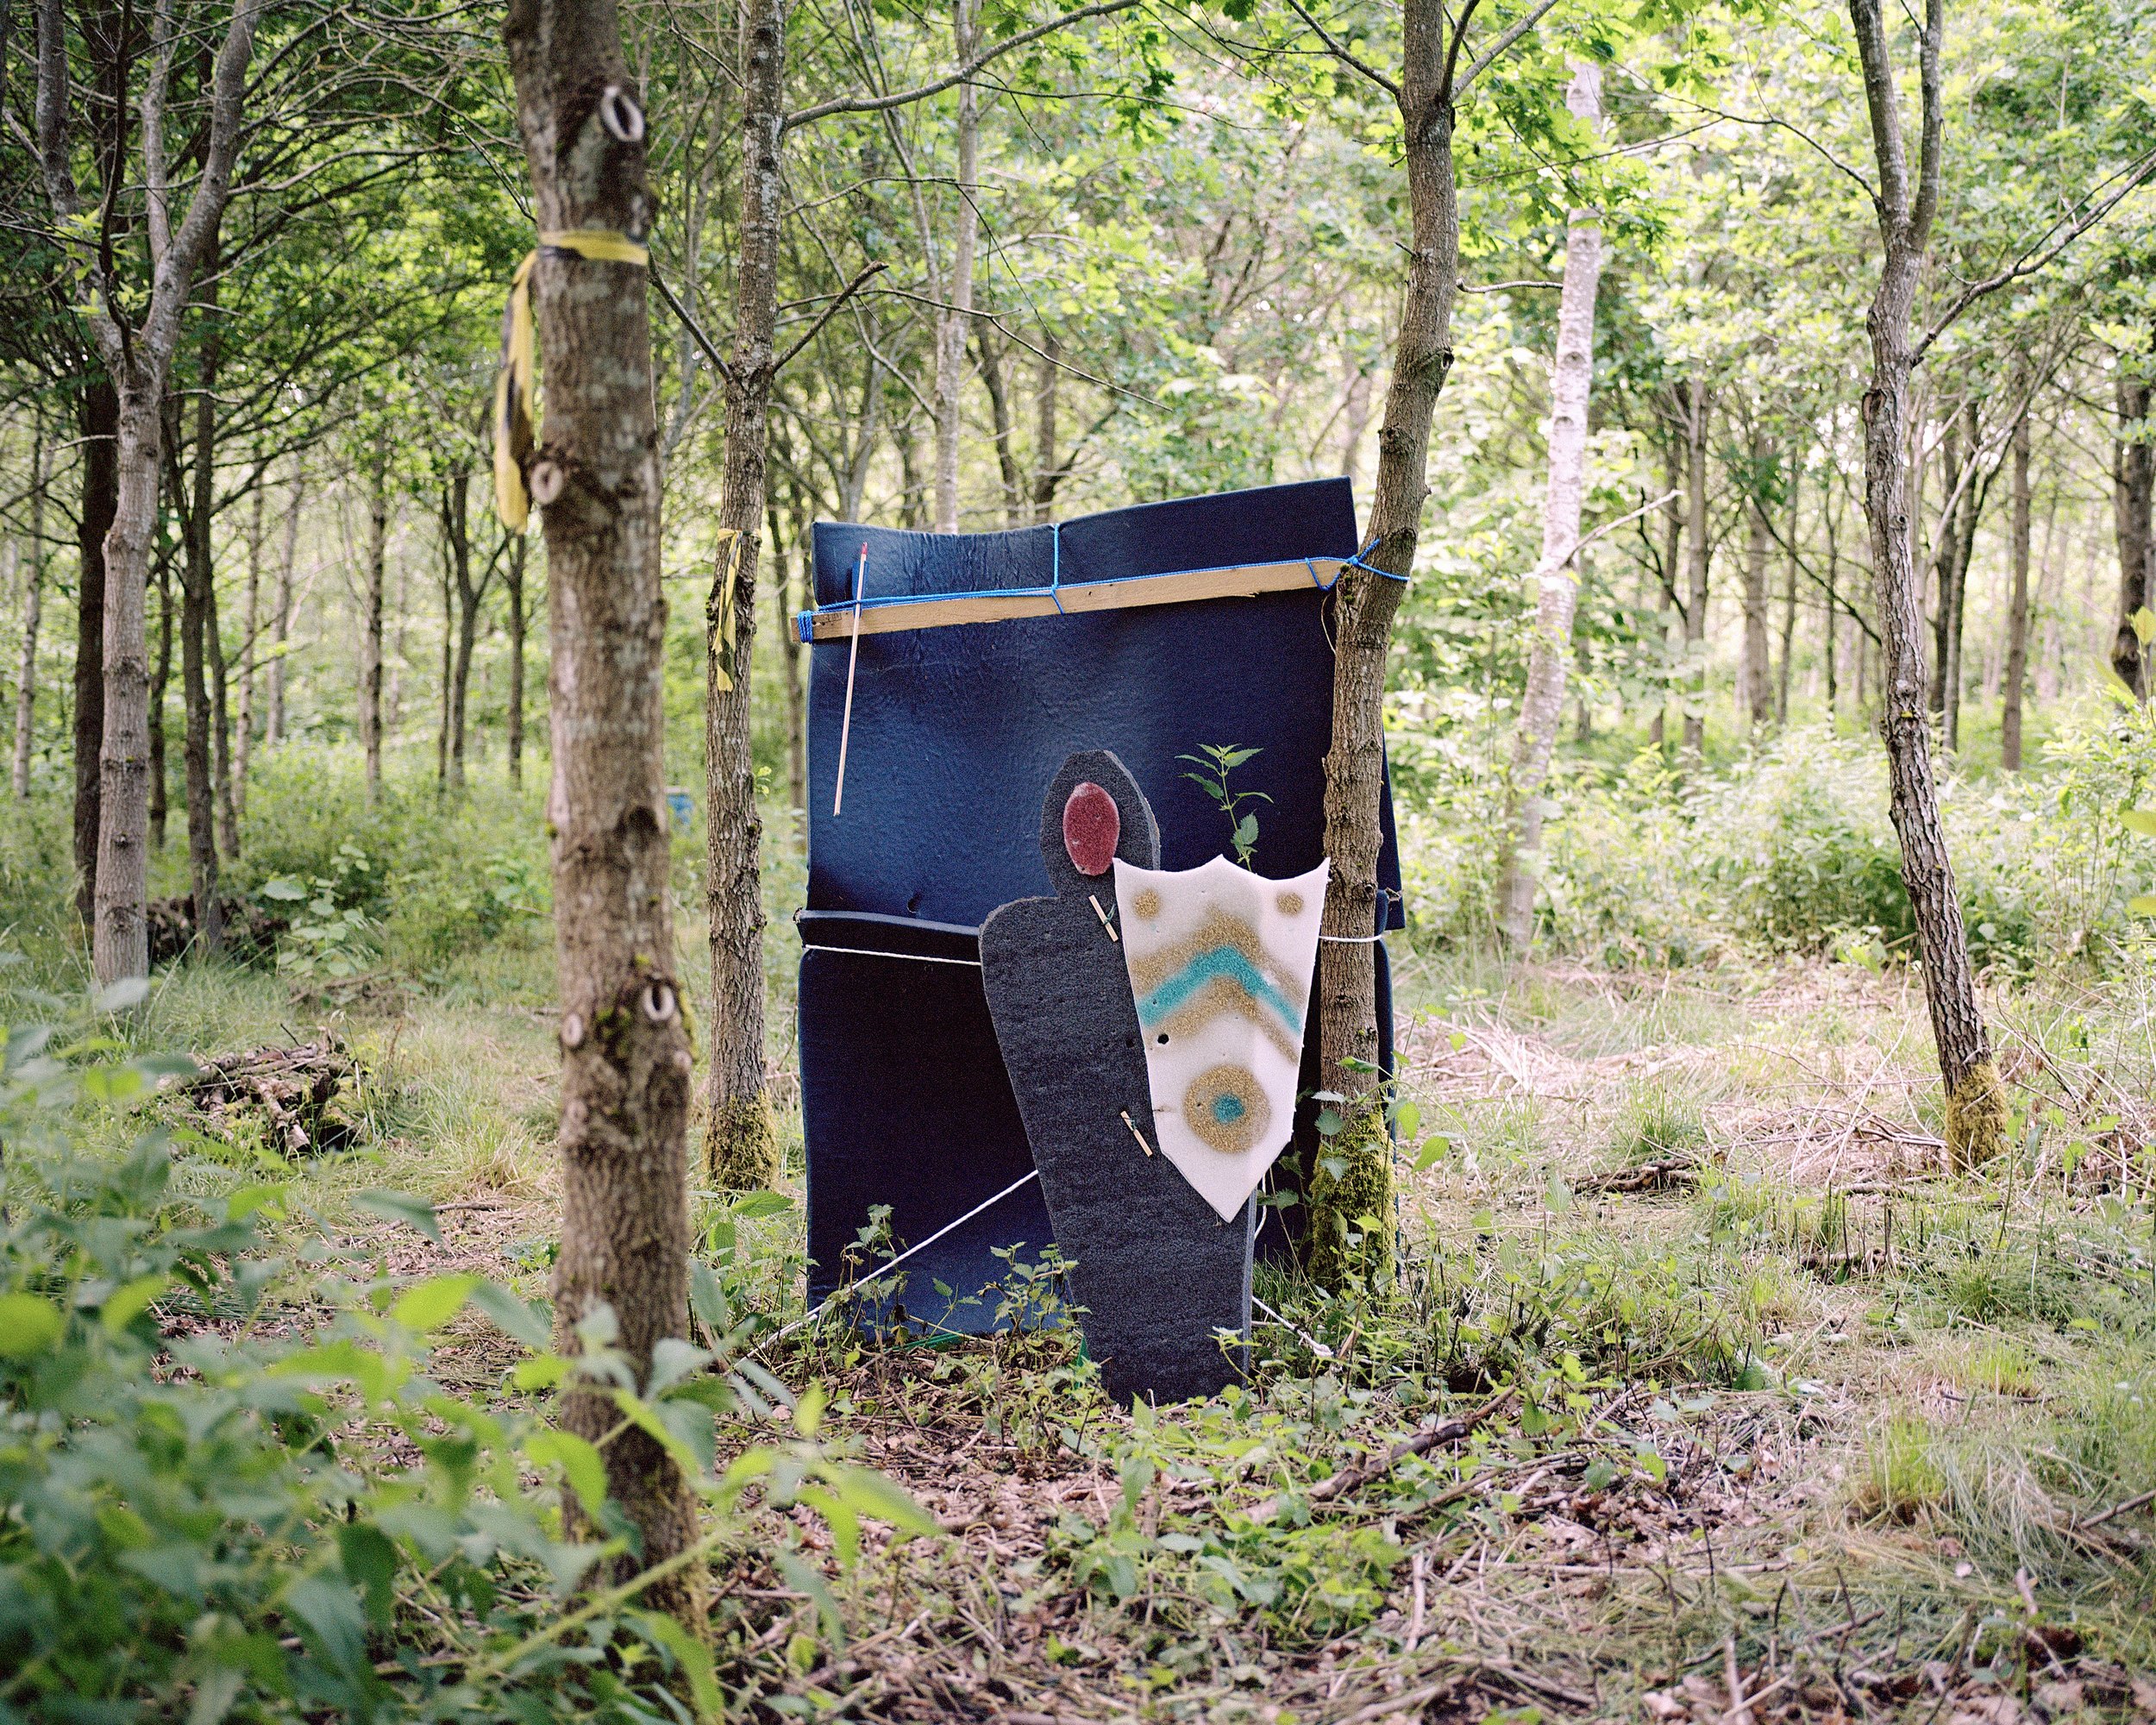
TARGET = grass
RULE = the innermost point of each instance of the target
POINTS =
(1822, 1411)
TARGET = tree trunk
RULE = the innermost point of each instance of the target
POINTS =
(1941, 569)
(456, 523)
(2016, 608)
(1756, 683)
(443, 682)
(1672, 545)
(991, 352)
(273, 732)
(514, 579)
(251, 649)
(1365, 602)
(198, 579)
(957, 316)
(790, 643)
(98, 408)
(120, 940)
(1975, 1106)
(740, 1140)
(2132, 492)
(1954, 595)
(1788, 611)
(160, 683)
(1047, 474)
(1834, 597)
(370, 611)
(221, 727)
(1571, 377)
(32, 608)
(626, 1065)
(1699, 410)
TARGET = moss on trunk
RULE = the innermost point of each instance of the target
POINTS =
(1341, 1247)
(741, 1145)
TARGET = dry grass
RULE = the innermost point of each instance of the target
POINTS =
(1871, 1497)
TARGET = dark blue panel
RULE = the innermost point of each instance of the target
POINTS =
(954, 732)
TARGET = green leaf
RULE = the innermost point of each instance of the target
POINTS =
(582, 1470)
(2143, 904)
(1434, 1149)
(283, 888)
(327, 1608)
(127, 1303)
(873, 1495)
(402, 1206)
(2144, 622)
(691, 1656)
(2139, 821)
(369, 1557)
(514, 1318)
(803, 1579)
(28, 1325)
(1408, 1116)
(430, 1304)
(754, 1206)
(1329, 1122)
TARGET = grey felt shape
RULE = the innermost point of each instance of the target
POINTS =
(1158, 1272)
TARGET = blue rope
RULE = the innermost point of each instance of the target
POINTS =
(1055, 566)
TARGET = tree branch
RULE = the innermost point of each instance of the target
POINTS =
(825, 315)
(1345, 55)
(1498, 47)
(2030, 261)
(875, 104)
(1931, 150)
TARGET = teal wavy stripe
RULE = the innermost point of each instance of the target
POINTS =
(1217, 961)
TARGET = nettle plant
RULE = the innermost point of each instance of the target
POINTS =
(208, 1513)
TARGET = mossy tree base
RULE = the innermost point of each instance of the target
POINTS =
(741, 1145)
(1351, 1236)
(1976, 1117)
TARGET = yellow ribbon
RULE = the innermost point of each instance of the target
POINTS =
(516, 429)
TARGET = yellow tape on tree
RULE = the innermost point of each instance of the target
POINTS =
(516, 429)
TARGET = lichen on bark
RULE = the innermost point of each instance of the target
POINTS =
(1976, 1117)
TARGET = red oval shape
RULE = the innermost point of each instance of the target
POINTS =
(1091, 825)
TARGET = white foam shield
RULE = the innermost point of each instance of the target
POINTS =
(1220, 962)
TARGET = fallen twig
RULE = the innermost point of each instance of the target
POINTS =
(1348, 1478)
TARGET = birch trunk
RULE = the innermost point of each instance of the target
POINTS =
(2017, 607)
(741, 1141)
(1571, 377)
(625, 1074)
(1975, 1106)
(160, 681)
(1699, 409)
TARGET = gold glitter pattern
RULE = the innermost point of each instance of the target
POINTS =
(1226, 1107)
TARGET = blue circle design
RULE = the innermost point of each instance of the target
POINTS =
(1227, 1109)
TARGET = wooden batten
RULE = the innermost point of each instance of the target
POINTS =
(930, 611)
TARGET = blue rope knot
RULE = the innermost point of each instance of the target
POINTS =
(1356, 562)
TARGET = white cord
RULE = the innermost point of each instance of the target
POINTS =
(1308, 1340)
(872, 952)
(1353, 940)
(893, 1263)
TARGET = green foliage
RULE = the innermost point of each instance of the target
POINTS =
(205, 1512)
(1215, 761)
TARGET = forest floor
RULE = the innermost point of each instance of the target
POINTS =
(1798, 1426)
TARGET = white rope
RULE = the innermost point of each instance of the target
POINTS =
(1308, 1340)
(874, 952)
(893, 1263)
(1354, 939)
